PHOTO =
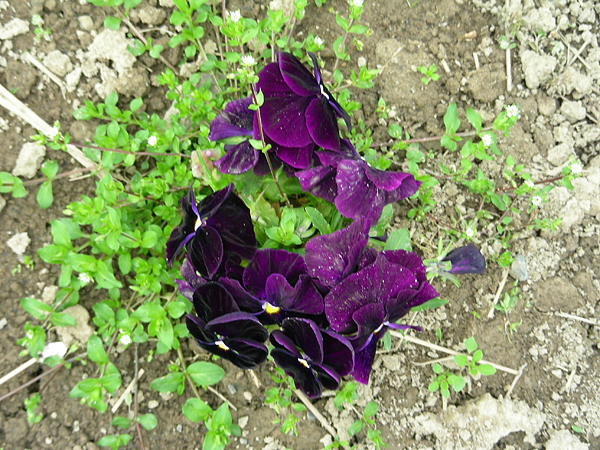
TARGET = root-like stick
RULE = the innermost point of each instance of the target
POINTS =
(128, 390)
(439, 348)
(254, 378)
(514, 382)
(42, 68)
(498, 294)
(222, 397)
(26, 365)
(15, 106)
(570, 316)
(322, 420)
(508, 70)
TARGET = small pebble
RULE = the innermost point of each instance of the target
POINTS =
(248, 396)
(152, 404)
(231, 388)
(75, 426)
(3, 322)
(53, 415)
(179, 428)
(518, 269)
(243, 421)
(48, 440)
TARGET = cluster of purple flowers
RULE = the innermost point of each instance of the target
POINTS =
(332, 306)
(299, 119)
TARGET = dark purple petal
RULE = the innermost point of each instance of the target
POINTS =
(332, 257)
(387, 180)
(363, 361)
(237, 158)
(206, 251)
(357, 195)
(196, 327)
(298, 158)
(369, 320)
(189, 274)
(243, 298)
(296, 76)
(303, 376)
(407, 299)
(280, 340)
(238, 325)
(185, 289)
(306, 334)
(305, 298)
(327, 376)
(212, 300)
(410, 260)
(269, 261)
(322, 124)
(337, 352)
(319, 181)
(341, 112)
(316, 68)
(184, 232)
(368, 257)
(466, 259)
(233, 222)
(241, 353)
(235, 120)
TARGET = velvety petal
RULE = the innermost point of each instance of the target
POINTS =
(296, 76)
(298, 158)
(306, 334)
(212, 300)
(370, 320)
(235, 120)
(367, 257)
(233, 222)
(243, 298)
(410, 260)
(363, 361)
(238, 325)
(184, 232)
(327, 376)
(185, 289)
(243, 354)
(177, 240)
(385, 179)
(196, 327)
(206, 251)
(237, 158)
(305, 298)
(189, 274)
(357, 195)
(303, 376)
(466, 259)
(280, 340)
(322, 125)
(332, 257)
(341, 112)
(283, 111)
(269, 261)
(337, 352)
(212, 202)
(319, 181)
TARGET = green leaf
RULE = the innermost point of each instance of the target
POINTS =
(342, 22)
(112, 23)
(477, 356)
(471, 344)
(355, 428)
(135, 104)
(399, 240)
(461, 360)
(474, 118)
(430, 304)
(62, 320)
(36, 308)
(433, 386)
(451, 119)
(196, 410)
(205, 373)
(165, 333)
(148, 421)
(168, 383)
(486, 369)
(222, 416)
(44, 195)
(176, 309)
(60, 233)
(121, 422)
(124, 263)
(105, 278)
(95, 350)
(358, 29)
(318, 220)
(370, 409)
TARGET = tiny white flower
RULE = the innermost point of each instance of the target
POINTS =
(248, 60)
(84, 278)
(512, 111)
(53, 349)
(536, 200)
(52, 133)
(235, 16)
(357, 3)
(486, 139)
(29, 335)
(152, 141)
(530, 184)
(125, 339)
(318, 41)
(470, 232)
(576, 168)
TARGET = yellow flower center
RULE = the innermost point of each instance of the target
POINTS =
(270, 309)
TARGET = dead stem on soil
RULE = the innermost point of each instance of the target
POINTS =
(498, 294)
(127, 390)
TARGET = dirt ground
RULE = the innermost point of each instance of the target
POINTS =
(558, 392)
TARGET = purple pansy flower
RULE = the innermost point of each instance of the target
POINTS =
(370, 301)
(213, 230)
(221, 328)
(191, 280)
(359, 189)
(466, 259)
(276, 285)
(237, 120)
(298, 110)
(313, 357)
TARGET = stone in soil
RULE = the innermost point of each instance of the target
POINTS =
(537, 68)
(80, 332)
(557, 294)
(29, 160)
(19, 243)
(563, 439)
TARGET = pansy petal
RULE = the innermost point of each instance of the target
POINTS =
(212, 202)
(322, 124)
(386, 179)
(238, 325)
(296, 75)
(306, 335)
(196, 327)
(184, 232)
(280, 340)
(243, 298)
(246, 354)
(212, 300)
(235, 120)
(269, 261)
(284, 120)
(337, 352)
(304, 299)
(233, 222)
(332, 257)
(237, 158)
(298, 158)
(466, 259)
(206, 251)
(327, 376)
(185, 289)
(370, 320)
(410, 260)
(363, 361)
(189, 274)
(303, 376)
(319, 181)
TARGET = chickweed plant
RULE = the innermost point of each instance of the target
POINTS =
(247, 220)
